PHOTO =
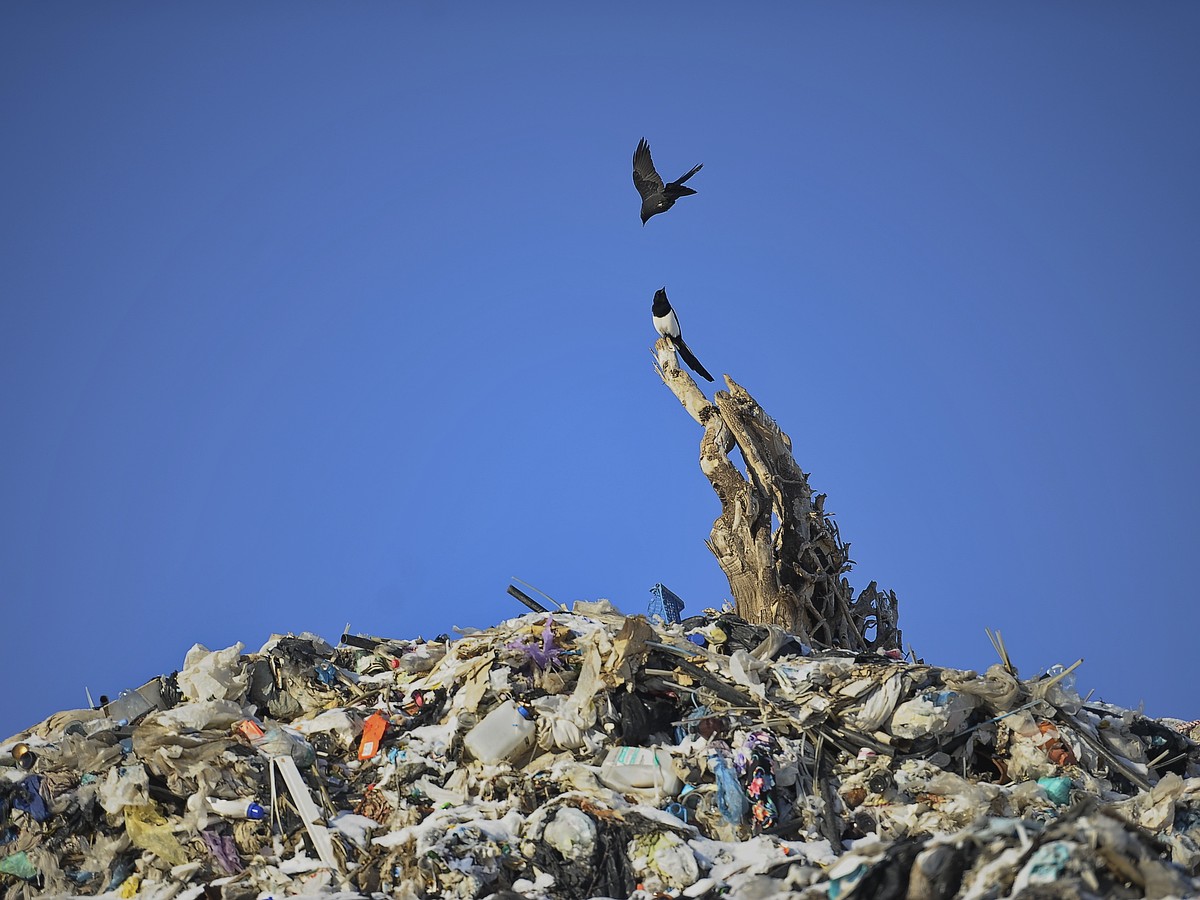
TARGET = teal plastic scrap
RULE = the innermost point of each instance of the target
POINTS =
(18, 864)
(1057, 789)
(843, 877)
(1049, 863)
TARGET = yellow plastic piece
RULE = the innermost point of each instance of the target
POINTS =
(149, 830)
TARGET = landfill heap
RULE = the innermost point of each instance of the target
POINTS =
(582, 754)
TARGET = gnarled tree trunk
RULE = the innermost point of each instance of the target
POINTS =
(780, 550)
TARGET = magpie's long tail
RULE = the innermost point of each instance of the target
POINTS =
(689, 174)
(690, 358)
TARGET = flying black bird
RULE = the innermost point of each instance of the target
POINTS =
(656, 197)
(667, 324)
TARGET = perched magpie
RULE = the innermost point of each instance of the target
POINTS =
(666, 324)
(656, 197)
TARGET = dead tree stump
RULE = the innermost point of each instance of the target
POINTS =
(782, 553)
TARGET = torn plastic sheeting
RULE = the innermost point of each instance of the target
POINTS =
(437, 794)
(207, 715)
(179, 757)
(663, 860)
(75, 752)
(933, 713)
(1155, 809)
(747, 671)
(797, 677)
(997, 686)
(629, 650)
(214, 674)
(341, 722)
(124, 786)
(474, 678)
(729, 862)
(277, 741)
(572, 833)
(879, 705)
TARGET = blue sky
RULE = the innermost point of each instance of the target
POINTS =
(318, 314)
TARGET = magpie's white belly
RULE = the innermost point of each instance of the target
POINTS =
(667, 325)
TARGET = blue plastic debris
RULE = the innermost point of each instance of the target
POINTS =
(27, 797)
(731, 799)
(666, 605)
(326, 672)
(1057, 789)
(1049, 862)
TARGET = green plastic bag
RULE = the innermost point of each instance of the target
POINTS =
(18, 864)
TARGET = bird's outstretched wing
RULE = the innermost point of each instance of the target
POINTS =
(645, 179)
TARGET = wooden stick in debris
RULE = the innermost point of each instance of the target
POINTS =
(1059, 676)
(1001, 651)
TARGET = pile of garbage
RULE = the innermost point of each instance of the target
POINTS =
(584, 753)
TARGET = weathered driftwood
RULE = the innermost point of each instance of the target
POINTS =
(780, 550)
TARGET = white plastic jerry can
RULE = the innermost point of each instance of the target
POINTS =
(640, 769)
(501, 734)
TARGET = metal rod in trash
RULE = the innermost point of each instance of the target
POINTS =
(526, 599)
(540, 591)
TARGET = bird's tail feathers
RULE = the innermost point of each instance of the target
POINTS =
(689, 174)
(690, 358)
(675, 191)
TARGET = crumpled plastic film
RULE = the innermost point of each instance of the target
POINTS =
(932, 713)
(214, 674)
(664, 860)
(148, 829)
(124, 786)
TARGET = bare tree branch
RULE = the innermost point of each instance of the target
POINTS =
(782, 553)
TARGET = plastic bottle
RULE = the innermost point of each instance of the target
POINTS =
(501, 734)
(236, 809)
